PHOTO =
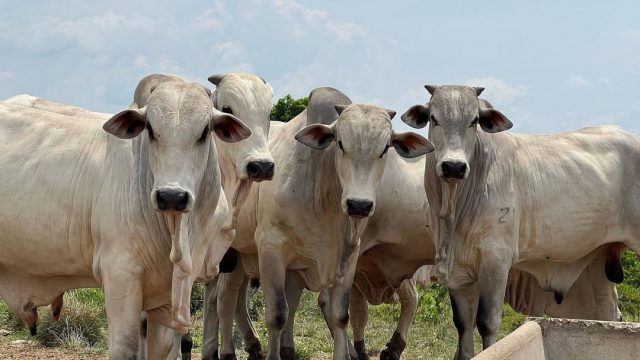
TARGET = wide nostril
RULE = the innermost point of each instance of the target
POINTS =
(454, 169)
(359, 207)
(172, 200)
(260, 170)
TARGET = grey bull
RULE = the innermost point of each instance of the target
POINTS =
(548, 205)
(119, 212)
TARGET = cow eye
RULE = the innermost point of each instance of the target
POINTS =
(204, 135)
(385, 151)
(152, 137)
(227, 109)
(340, 145)
(433, 120)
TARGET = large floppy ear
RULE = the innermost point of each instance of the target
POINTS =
(216, 79)
(417, 116)
(493, 121)
(127, 124)
(229, 128)
(410, 144)
(317, 136)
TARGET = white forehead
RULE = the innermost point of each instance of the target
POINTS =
(364, 127)
(179, 106)
(453, 104)
(244, 92)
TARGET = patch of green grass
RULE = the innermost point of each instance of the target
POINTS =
(82, 323)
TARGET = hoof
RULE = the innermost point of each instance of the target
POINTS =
(394, 348)
(33, 330)
(389, 354)
(287, 353)
(360, 350)
(254, 351)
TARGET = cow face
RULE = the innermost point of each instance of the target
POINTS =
(176, 124)
(247, 97)
(453, 114)
(362, 134)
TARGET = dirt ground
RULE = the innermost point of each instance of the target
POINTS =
(10, 349)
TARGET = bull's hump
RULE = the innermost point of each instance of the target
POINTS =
(322, 102)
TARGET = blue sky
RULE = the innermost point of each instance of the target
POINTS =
(549, 66)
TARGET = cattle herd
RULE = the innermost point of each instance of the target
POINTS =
(191, 185)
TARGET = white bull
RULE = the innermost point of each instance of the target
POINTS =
(132, 215)
(548, 205)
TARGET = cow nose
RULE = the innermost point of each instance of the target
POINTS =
(172, 200)
(260, 170)
(454, 169)
(359, 208)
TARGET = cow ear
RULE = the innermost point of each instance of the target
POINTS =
(431, 88)
(410, 144)
(317, 136)
(229, 128)
(127, 124)
(417, 116)
(216, 79)
(478, 90)
(391, 113)
(340, 108)
(493, 121)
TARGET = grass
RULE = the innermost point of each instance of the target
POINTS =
(82, 326)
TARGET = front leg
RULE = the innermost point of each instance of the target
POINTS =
(408, 308)
(229, 286)
(359, 316)
(123, 301)
(464, 305)
(210, 323)
(243, 321)
(272, 276)
(160, 341)
(492, 284)
(293, 289)
(339, 307)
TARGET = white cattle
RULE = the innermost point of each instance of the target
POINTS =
(247, 97)
(130, 212)
(308, 220)
(548, 205)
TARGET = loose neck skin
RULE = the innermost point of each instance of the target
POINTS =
(455, 203)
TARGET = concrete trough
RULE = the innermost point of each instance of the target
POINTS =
(560, 339)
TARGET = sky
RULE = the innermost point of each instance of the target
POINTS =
(549, 66)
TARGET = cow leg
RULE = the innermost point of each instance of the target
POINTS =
(408, 308)
(339, 307)
(272, 277)
(123, 301)
(159, 340)
(492, 283)
(359, 316)
(294, 285)
(186, 345)
(210, 324)
(464, 305)
(604, 292)
(251, 341)
(228, 291)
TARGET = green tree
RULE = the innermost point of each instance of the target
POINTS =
(287, 108)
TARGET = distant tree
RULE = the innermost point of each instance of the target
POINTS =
(287, 108)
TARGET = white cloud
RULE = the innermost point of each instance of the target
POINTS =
(231, 56)
(633, 35)
(5, 75)
(141, 61)
(305, 19)
(90, 33)
(212, 18)
(498, 90)
(578, 81)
